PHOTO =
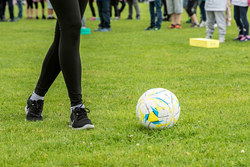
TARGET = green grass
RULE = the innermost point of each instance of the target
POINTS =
(212, 86)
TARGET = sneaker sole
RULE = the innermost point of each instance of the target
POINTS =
(26, 112)
(87, 126)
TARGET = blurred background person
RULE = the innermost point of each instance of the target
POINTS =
(132, 3)
(240, 17)
(114, 4)
(191, 4)
(175, 9)
(36, 8)
(228, 13)
(20, 8)
(203, 13)
(166, 16)
(91, 2)
(11, 10)
(123, 3)
(104, 14)
(50, 10)
(29, 9)
(155, 25)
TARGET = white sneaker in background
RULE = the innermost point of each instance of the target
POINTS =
(203, 24)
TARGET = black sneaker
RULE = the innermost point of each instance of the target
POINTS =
(149, 28)
(156, 28)
(80, 120)
(195, 25)
(34, 110)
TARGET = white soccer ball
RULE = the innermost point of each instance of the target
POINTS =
(158, 108)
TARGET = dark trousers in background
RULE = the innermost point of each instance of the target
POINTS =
(240, 17)
(2, 8)
(191, 4)
(92, 7)
(20, 8)
(203, 12)
(114, 3)
(104, 13)
(152, 5)
(123, 2)
(165, 10)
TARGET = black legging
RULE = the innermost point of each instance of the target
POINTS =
(190, 5)
(92, 7)
(165, 10)
(29, 4)
(63, 54)
(36, 4)
(114, 3)
(123, 2)
(240, 16)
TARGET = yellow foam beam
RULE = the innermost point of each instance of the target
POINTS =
(202, 42)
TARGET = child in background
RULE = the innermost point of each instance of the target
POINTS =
(203, 13)
(175, 9)
(152, 5)
(114, 3)
(92, 9)
(228, 13)
(29, 9)
(240, 17)
(50, 11)
(192, 14)
(36, 8)
(123, 3)
(215, 11)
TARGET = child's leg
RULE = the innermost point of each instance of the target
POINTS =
(221, 22)
(243, 17)
(152, 13)
(173, 19)
(237, 19)
(228, 12)
(36, 8)
(42, 3)
(157, 4)
(210, 23)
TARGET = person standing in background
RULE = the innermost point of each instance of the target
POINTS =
(240, 17)
(11, 10)
(123, 2)
(50, 11)
(203, 13)
(152, 5)
(134, 3)
(29, 9)
(91, 2)
(104, 14)
(216, 13)
(166, 16)
(175, 9)
(20, 8)
(191, 14)
(114, 3)
(36, 8)
(228, 13)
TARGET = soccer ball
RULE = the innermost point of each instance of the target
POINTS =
(158, 108)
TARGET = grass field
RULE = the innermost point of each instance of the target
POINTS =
(212, 86)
